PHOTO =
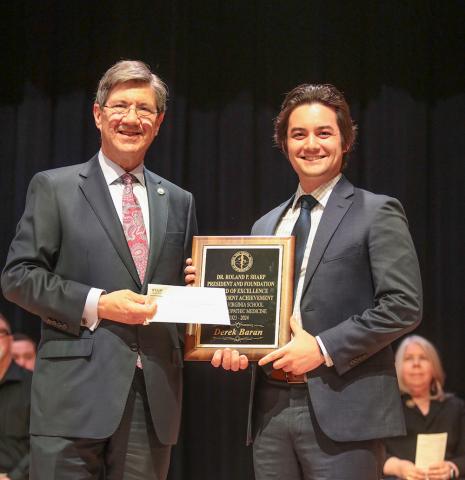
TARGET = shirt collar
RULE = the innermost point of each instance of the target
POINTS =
(112, 171)
(12, 374)
(321, 193)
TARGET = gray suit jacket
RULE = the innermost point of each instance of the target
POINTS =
(68, 240)
(362, 291)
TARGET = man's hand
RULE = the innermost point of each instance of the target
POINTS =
(229, 360)
(190, 272)
(125, 306)
(302, 354)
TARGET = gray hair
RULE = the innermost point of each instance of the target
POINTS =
(437, 383)
(131, 71)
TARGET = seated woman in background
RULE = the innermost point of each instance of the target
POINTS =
(427, 409)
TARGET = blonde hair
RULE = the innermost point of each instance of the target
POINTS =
(437, 383)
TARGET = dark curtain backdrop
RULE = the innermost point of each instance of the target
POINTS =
(228, 64)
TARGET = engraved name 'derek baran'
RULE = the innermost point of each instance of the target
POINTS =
(234, 332)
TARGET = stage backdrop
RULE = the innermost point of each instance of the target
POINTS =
(228, 65)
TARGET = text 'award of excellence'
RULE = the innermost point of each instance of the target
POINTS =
(257, 274)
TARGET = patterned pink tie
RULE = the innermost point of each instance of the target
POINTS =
(133, 226)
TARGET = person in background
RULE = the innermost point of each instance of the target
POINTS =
(24, 351)
(15, 403)
(427, 409)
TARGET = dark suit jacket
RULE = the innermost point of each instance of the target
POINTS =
(69, 240)
(362, 290)
(444, 416)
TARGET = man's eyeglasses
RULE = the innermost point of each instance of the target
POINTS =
(4, 332)
(123, 110)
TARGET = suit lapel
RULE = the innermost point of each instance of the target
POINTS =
(158, 198)
(97, 194)
(338, 204)
(273, 220)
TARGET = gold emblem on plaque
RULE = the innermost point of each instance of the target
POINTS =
(242, 261)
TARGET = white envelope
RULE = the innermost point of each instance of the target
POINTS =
(189, 304)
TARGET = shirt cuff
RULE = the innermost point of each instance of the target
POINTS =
(328, 359)
(89, 315)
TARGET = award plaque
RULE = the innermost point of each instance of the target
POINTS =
(257, 274)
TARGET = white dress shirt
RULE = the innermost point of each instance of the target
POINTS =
(112, 172)
(285, 227)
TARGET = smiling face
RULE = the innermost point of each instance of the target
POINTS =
(314, 144)
(417, 370)
(126, 138)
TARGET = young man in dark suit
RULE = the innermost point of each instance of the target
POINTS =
(331, 395)
(107, 389)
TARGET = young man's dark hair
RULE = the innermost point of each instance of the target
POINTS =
(327, 95)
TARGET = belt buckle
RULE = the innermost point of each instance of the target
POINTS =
(291, 379)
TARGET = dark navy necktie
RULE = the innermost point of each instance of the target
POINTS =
(301, 231)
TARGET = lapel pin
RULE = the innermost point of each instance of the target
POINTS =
(160, 191)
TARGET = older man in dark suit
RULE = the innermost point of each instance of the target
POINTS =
(332, 394)
(107, 389)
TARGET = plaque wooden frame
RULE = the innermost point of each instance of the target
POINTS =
(195, 347)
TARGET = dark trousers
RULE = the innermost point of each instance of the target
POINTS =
(288, 442)
(133, 452)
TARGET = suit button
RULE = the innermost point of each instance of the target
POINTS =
(134, 347)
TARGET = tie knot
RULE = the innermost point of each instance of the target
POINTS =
(127, 179)
(308, 202)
